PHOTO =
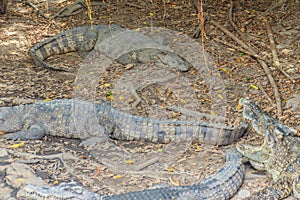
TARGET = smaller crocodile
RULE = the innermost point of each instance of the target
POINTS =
(223, 185)
(256, 115)
(85, 38)
(278, 154)
(86, 120)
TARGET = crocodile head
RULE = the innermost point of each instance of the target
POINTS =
(9, 120)
(253, 113)
(260, 120)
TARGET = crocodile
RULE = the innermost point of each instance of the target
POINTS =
(84, 39)
(88, 121)
(278, 154)
(222, 185)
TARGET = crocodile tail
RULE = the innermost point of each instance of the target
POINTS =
(80, 39)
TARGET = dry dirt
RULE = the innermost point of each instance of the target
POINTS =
(21, 81)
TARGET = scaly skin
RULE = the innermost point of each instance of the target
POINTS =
(278, 155)
(222, 185)
(82, 39)
(85, 38)
(86, 120)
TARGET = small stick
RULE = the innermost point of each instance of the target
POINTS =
(264, 92)
(272, 43)
(165, 10)
(134, 5)
(232, 23)
(28, 2)
(280, 3)
(274, 51)
(192, 113)
(61, 156)
(240, 49)
(99, 168)
(147, 163)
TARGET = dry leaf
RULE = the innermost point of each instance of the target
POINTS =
(15, 146)
(254, 86)
(171, 169)
(118, 176)
(129, 162)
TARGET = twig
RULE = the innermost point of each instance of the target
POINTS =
(275, 6)
(28, 2)
(97, 171)
(272, 43)
(192, 113)
(240, 49)
(61, 156)
(17, 100)
(232, 23)
(77, 7)
(138, 99)
(262, 63)
(276, 62)
(273, 84)
(134, 5)
(264, 92)
(147, 163)
(165, 10)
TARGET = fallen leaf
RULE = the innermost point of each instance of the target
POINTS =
(118, 176)
(63, 24)
(121, 98)
(238, 107)
(20, 180)
(171, 169)
(224, 69)
(198, 148)
(15, 146)
(129, 66)
(98, 171)
(129, 162)
(254, 86)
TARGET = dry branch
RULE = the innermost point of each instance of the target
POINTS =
(262, 63)
(232, 23)
(278, 4)
(272, 43)
(264, 92)
(276, 62)
(147, 163)
(240, 49)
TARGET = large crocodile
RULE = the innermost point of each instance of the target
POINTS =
(88, 120)
(223, 185)
(85, 38)
(278, 154)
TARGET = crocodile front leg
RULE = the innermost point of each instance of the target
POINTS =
(34, 132)
(279, 190)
